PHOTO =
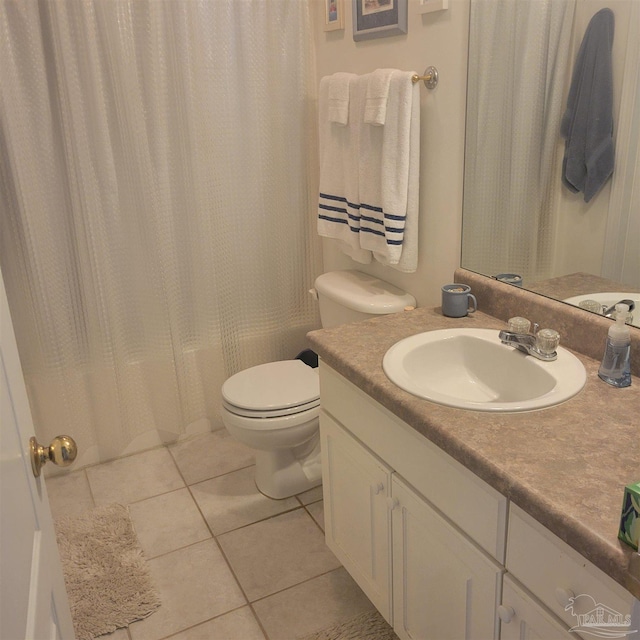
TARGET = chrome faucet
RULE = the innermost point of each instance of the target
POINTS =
(609, 312)
(539, 344)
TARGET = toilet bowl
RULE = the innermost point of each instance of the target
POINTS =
(274, 407)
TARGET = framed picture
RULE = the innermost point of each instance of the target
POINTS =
(333, 15)
(379, 18)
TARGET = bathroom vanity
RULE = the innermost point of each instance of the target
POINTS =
(471, 524)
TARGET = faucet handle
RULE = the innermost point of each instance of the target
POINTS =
(519, 325)
(547, 341)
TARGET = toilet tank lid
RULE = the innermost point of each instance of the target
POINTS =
(362, 292)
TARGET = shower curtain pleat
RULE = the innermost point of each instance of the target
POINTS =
(518, 66)
(157, 232)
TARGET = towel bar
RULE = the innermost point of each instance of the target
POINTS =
(430, 78)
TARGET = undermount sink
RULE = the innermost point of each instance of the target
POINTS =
(608, 299)
(472, 369)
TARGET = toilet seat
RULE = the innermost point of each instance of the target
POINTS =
(272, 390)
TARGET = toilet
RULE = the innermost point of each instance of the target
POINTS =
(274, 408)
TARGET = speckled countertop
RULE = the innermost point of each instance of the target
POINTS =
(577, 284)
(567, 466)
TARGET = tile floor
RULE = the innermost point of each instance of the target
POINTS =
(229, 563)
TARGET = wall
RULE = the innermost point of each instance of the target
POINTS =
(439, 39)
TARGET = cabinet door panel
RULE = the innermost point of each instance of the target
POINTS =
(357, 521)
(444, 587)
(524, 619)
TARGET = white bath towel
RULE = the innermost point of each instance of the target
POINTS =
(338, 101)
(375, 109)
(388, 173)
(338, 202)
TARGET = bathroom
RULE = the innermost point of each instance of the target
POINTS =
(438, 38)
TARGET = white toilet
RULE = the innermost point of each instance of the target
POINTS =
(274, 407)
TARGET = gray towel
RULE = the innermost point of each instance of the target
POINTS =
(587, 124)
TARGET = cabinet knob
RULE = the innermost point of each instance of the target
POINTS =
(392, 503)
(506, 614)
(564, 596)
(378, 489)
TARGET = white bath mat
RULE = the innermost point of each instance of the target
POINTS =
(367, 626)
(105, 573)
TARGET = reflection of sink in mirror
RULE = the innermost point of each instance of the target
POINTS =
(608, 299)
(472, 369)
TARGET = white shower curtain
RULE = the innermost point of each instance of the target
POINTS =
(518, 66)
(156, 163)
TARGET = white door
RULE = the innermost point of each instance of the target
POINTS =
(33, 599)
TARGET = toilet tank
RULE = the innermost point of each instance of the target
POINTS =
(349, 296)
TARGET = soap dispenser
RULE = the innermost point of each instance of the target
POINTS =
(616, 362)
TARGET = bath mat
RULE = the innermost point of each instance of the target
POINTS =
(105, 573)
(367, 626)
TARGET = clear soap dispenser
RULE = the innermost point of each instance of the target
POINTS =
(616, 362)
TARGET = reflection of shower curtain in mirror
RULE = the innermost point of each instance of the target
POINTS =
(518, 66)
(156, 230)
(621, 260)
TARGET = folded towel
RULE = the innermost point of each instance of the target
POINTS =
(339, 203)
(375, 109)
(408, 262)
(338, 99)
(587, 123)
(389, 175)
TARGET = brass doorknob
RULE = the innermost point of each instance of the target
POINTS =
(62, 451)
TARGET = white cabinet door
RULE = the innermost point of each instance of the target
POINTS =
(443, 586)
(357, 524)
(521, 618)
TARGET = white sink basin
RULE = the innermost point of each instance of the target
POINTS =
(472, 369)
(608, 299)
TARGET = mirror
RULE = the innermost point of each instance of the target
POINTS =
(518, 217)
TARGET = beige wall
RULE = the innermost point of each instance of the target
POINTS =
(439, 39)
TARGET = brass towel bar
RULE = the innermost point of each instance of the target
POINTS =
(430, 78)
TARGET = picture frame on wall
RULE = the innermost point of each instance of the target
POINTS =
(333, 15)
(379, 18)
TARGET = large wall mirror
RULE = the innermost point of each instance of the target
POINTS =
(518, 217)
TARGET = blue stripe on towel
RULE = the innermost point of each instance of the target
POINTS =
(357, 218)
(370, 207)
(338, 210)
(370, 219)
(340, 220)
(328, 196)
(390, 216)
(375, 232)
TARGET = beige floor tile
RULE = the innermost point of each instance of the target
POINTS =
(232, 501)
(317, 604)
(237, 625)
(168, 522)
(194, 585)
(313, 495)
(277, 553)
(317, 513)
(134, 478)
(210, 455)
(69, 494)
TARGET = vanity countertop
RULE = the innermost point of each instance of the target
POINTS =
(567, 465)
